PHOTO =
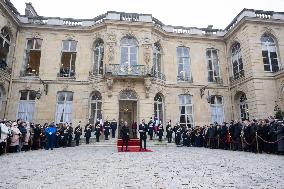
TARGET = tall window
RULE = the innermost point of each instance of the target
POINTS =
(5, 42)
(186, 110)
(68, 58)
(64, 107)
(96, 107)
(98, 57)
(213, 65)
(26, 105)
(244, 107)
(159, 107)
(157, 67)
(128, 52)
(183, 64)
(269, 54)
(32, 57)
(237, 62)
(217, 109)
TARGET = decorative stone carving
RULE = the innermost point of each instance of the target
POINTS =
(111, 52)
(147, 53)
(70, 37)
(111, 37)
(187, 91)
(109, 83)
(147, 84)
(65, 87)
(129, 84)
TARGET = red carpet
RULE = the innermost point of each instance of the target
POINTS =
(133, 146)
(133, 149)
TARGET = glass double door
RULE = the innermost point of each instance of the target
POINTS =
(127, 113)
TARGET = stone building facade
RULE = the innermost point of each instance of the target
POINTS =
(133, 67)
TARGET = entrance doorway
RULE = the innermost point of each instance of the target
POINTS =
(127, 110)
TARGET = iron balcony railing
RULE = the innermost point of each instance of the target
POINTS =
(126, 70)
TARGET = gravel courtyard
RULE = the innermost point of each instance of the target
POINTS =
(166, 167)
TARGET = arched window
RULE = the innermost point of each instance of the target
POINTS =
(217, 109)
(64, 107)
(237, 61)
(128, 51)
(269, 53)
(157, 67)
(244, 112)
(95, 107)
(98, 57)
(213, 65)
(26, 105)
(186, 110)
(183, 63)
(159, 107)
(5, 42)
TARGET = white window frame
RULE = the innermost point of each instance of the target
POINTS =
(217, 77)
(99, 46)
(215, 107)
(6, 41)
(159, 111)
(243, 105)
(96, 101)
(26, 104)
(72, 53)
(157, 59)
(184, 96)
(128, 63)
(237, 55)
(183, 56)
(27, 52)
(65, 102)
(267, 46)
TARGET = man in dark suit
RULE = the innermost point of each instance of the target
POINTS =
(125, 136)
(78, 133)
(143, 135)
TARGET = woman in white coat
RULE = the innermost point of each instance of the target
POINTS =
(5, 131)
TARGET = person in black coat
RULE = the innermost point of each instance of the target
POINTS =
(36, 138)
(178, 135)
(113, 126)
(88, 132)
(160, 131)
(78, 133)
(169, 131)
(69, 134)
(143, 134)
(106, 129)
(151, 128)
(125, 136)
(98, 131)
(280, 137)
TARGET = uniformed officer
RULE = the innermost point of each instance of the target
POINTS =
(98, 131)
(78, 133)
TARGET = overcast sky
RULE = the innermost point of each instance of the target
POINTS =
(191, 13)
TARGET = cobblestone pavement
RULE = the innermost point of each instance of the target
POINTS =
(167, 167)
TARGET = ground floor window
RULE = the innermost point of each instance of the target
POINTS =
(158, 107)
(26, 106)
(244, 107)
(95, 107)
(64, 107)
(186, 110)
(217, 109)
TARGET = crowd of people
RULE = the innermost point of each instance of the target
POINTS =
(263, 135)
